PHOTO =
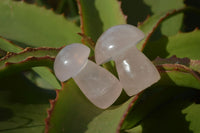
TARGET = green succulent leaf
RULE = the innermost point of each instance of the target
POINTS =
(150, 100)
(181, 45)
(172, 25)
(152, 23)
(8, 46)
(139, 10)
(111, 119)
(167, 106)
(43, 72)
(192, 116)
(192, 64)
(179, 114)
(22, 105)
(43, 28)
(26, 59)
(71, 111)
(169, 117)
(136, 10)
(99, 15)
(137, 129)
(46, 74)
(178, 75)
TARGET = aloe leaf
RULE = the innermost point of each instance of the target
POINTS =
(110, 120)
(26, 59)
(80, 115)
(178, 75)
(181, 45)
(192, 116)
(43, 72)
(22, 105)
(192, 64)
(152, 23)
(176, 115)
(169, 116)
(43, 28)
(8, 46)
(150, 100)
(172, 25)
(137, 129)
(180, 71)
(70, 111)
(48, 76)
(138, 11)
(99, 15)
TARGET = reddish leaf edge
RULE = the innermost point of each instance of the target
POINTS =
(178, 64)
(7, 68)
(189, 63)
(167, 15)
(87, 39)
(11, 68)
(165, 68)
(28, 49)
(127, 111)
(50, 110)
(81, 19)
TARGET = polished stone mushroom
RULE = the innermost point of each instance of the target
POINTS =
(136, 72)
(98, 84)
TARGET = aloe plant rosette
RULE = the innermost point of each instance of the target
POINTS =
(31, 35)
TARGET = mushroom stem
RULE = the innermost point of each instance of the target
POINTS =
(98, 85)
(136, 72)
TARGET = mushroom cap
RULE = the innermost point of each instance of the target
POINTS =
(70, 61)
(116, 40)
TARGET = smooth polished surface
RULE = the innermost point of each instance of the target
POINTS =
(115, 40)
(98, 85)
(136, 72)
(70, 61)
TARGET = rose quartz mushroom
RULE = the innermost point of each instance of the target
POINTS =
(136, 72)
(98, 84)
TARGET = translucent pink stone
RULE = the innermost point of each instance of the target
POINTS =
(98, 84)
(70, 60)
(135, 70)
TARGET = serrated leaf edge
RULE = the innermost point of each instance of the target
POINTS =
(170, 13)
(126, 112)
(50, 110)
(28, 49)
